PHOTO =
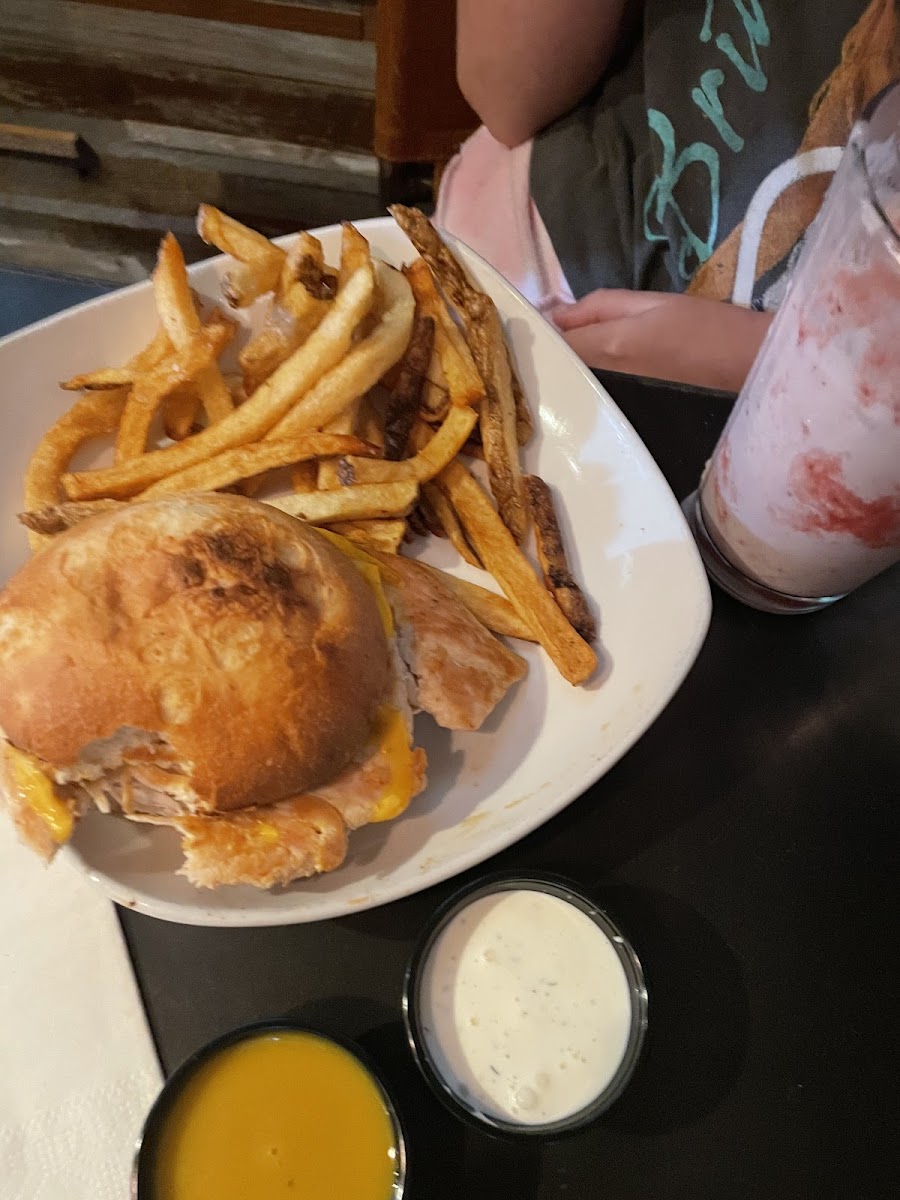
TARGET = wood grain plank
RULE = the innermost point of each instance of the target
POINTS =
(228, 102)
(89, 32)
(335, 19)
(153, 195)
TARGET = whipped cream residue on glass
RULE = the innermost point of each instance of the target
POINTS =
(525, 1007)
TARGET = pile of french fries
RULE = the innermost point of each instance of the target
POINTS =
(373, 386)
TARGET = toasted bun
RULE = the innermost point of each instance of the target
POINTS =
(214, 638)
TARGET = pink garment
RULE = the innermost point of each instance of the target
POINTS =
(485, 201)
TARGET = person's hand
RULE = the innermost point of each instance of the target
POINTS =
(686, 339)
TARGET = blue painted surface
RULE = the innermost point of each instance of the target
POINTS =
(27, 296)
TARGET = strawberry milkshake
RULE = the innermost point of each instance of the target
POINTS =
(800, 502)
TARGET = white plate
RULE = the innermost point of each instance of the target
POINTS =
(548, 741)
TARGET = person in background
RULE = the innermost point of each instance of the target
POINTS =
(623, 141)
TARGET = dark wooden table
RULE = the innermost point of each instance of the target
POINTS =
(748, 844)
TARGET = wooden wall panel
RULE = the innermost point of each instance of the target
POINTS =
(330, 18)
(226, 102)
(82, 31)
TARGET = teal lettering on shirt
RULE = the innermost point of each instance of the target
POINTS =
(706, 97)
(691, 245)
(757, 29)
(691, 248)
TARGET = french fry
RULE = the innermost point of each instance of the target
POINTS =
(57, 518)
(305, 290)
(304, 477)
(152, 387)
(484, 334)
(426, 239)
(372, 501)
(524, 419)
(492, 610)
(554, 564)
(403, 405)
(354, 252)
(464, 383)
(496, 548)
(180, 410)
(435, 373)
(446, 515)
(92, 416)
(246, 461)
(370, 418)
(344, 423)
(415, 525)
(179, 318)
(259, 262)
(362, 367)
(385, 535)
(428, 517)
(433, 402)
(326, 346)
(304, 264)
(430, 460)
(103, 380)
(498, 425)
(108, 378)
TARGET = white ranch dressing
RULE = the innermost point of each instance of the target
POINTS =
(525, 1007)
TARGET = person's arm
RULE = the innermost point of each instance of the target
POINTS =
(686, 339)
(522, 63)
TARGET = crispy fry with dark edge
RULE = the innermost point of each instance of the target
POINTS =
(484, 333)
(103, 380)
(426, 239)
(415, 525)
(425, 510)
(403, 405)
(57, 518)
(524, 419)
(554, 564)
(574, 658)
(464, 383)
(498, 423)
(445, 444)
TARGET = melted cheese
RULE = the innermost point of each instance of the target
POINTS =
(394, 742)
(37, 791)
(391, 732)
(267, 833)
(371, 571)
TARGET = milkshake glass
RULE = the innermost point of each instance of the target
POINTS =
(800, 502)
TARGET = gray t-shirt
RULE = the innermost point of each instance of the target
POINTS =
(640, 183)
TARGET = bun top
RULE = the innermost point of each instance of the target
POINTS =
(229, 645)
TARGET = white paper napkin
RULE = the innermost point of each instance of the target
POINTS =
(78, 1071)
